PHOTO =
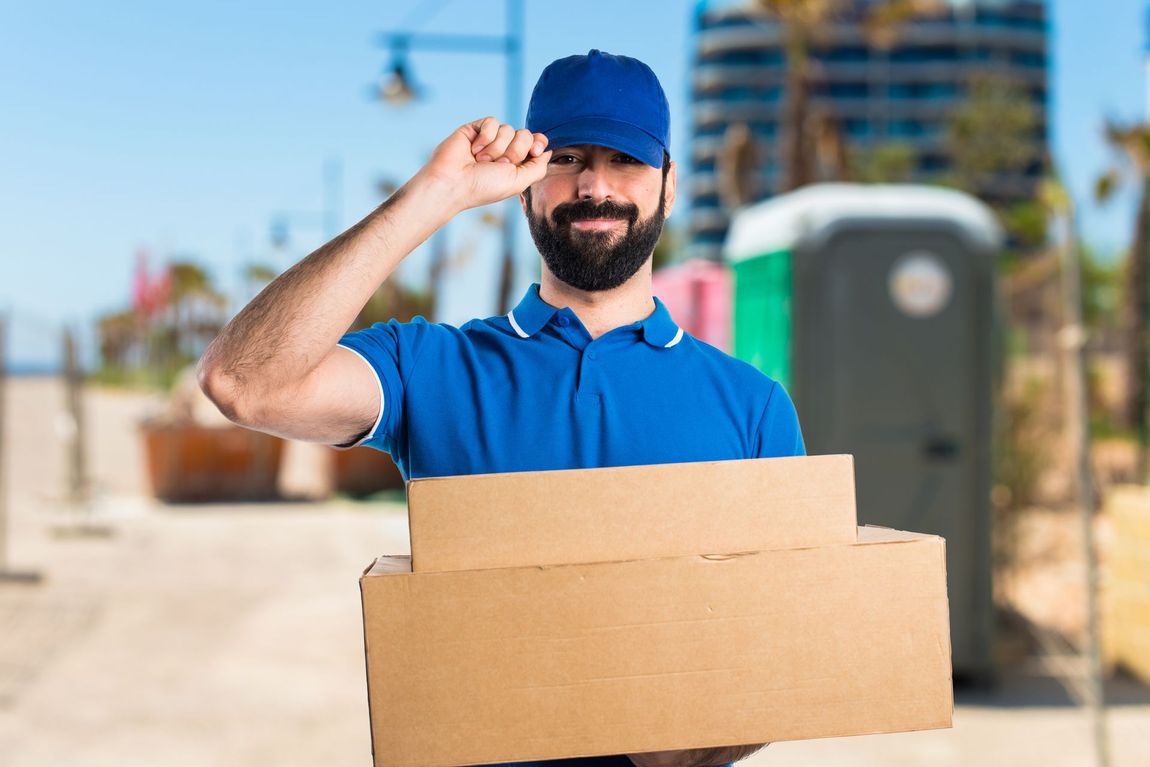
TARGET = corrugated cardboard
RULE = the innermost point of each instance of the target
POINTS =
(501, 665)
(634, 512)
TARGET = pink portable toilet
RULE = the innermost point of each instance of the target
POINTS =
(698, 295)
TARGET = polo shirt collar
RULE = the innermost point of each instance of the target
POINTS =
(532, 313)
(659, 329)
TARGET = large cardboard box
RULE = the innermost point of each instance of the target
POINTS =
(632, 512)
(548, 662)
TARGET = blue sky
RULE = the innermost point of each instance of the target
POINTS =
(184, 128)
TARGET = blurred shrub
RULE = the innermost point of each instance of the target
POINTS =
(891, 162)
(394, 300)
(174, 316)
(1023, 438)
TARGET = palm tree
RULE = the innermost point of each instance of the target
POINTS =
(804, 24)
(1132, 145)
(197, 310)
(990, 132)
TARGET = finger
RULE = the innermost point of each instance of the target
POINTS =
(540, 144)
(498, 145)
(486, 130)
(520, 145)
(472, 129)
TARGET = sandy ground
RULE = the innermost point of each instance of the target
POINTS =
(230, 636)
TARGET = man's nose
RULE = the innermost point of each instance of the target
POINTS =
(594, 185)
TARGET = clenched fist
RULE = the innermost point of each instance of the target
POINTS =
(487, 161)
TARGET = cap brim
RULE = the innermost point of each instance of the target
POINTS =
(613, 134)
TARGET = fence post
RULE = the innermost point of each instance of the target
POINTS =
(74, 387)
(6, 574)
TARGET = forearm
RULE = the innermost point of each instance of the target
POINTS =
(288, 329)
(259, 371)
(696, 757)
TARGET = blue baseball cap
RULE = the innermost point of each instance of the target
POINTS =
(601, 99)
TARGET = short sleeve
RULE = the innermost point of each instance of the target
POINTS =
(779, 433)
(391, 350)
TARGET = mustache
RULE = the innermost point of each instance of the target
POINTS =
(582, 210)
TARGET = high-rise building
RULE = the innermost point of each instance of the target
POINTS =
(895, 95)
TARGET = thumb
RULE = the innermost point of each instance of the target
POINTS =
(534, 169)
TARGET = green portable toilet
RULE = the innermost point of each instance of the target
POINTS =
(874, 306)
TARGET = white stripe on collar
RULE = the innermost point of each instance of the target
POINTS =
(515, 325)
(678, 337)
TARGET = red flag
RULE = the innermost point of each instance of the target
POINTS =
(141, 285)
(160, 290)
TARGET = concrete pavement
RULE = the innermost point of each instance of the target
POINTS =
(230, 636)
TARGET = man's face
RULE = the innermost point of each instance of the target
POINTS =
(597, 215)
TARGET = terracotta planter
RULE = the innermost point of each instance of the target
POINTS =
(362, 471)
(189, 463)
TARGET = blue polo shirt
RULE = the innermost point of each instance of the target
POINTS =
(531, 391)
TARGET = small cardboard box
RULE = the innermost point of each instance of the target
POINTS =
(525, 663)
(633, 512)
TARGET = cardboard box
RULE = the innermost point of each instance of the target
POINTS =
(502, 665)
(633, 512)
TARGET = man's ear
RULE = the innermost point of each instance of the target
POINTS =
(669, 189)
(525, 199)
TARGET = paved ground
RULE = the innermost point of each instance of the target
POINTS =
(194, 636)
(231, 637)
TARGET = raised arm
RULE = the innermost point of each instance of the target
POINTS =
(276, 367)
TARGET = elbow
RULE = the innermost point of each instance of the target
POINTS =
(225, 392)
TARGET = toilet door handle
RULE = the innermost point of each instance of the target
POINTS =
(940, 448)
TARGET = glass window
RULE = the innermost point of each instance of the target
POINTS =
(907, 129)
(921, 55)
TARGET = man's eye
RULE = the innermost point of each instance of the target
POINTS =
(564, 159)
(625, 158)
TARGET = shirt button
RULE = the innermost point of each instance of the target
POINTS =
(563, 321)
(590, 355)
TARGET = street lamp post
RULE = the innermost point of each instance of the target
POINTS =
(397, 87)
(326, 220)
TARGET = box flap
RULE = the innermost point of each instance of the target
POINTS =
(879, 534)
(634, 512)
(389, 564)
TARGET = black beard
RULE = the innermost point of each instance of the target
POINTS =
(587, 260)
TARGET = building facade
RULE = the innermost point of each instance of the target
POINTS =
(897, 95)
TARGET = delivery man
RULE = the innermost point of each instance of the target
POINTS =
(588, 370)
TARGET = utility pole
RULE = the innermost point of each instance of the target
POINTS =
(6, 575)
(1072, 345)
